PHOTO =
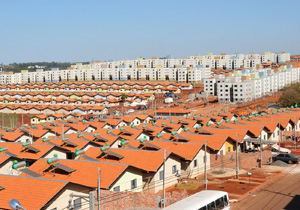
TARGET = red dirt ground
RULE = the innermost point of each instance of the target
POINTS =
(234, 187)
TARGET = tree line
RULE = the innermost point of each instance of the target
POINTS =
(290, 95)
(17, 67)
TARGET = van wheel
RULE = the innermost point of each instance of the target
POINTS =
(290, 162)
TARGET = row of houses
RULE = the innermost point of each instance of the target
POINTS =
(52, 109)
(99, 87)
(130, 151)
(71, 95)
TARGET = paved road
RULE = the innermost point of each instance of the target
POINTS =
(283, 194)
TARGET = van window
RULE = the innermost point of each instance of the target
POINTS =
(225, 200)
(211, 206)
(203, 208)
(220, 203)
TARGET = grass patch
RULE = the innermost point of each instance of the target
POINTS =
(189, 185)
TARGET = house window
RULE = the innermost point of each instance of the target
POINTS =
(133, 184)
(161, 175)
(117, 189)
(273, 135)
(229, 149)
(174, 169)
(195, 163)
(54, 209)
(77, 203)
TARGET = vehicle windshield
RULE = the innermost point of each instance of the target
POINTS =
(293, 156)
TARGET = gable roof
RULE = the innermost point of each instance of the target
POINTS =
(142, 159)
(185, 151)
(18, 150)
(85, 173)
(32, 193)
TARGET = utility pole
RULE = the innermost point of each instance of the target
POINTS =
(22, 118)
(295, 133)
(164, 190)
(63, 135)
(98, 191)
(279, 137)
(155, 110)
(92, 200)
(236, 158)
(260, 150)
(205, 173)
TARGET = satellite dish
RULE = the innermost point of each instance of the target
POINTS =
(15, 204)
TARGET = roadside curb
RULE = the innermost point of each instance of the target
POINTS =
(273, 179)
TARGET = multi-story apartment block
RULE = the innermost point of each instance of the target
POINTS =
(283, 57)
(244, 85)
(210, 86)
(241, 91)
(225, 93)
(187, 69)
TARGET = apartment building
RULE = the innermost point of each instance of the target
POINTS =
(187, 69)
(244, 85)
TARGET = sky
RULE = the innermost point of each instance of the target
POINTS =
(88, 30)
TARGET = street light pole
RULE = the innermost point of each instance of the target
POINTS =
(260, 150)
(295, 133)
(164, 190)
(236, 159)
(98, 191)
(205, 172)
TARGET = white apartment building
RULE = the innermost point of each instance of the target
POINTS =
(187, 69)
(248, 86)
(210, 86)
(283, 57)
(225, 93)
(182, 75)
(242, 91)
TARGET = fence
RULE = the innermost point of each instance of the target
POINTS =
(245, 160)
(135, 201)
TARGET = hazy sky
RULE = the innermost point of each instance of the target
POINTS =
(86, 30)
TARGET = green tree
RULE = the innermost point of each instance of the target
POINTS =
(290, 96)
(123, 97)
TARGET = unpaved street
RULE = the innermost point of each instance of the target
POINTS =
(282, 194)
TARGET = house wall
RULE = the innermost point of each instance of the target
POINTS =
(188, 168)
(6, 168)
(156, 184)
(124, 182)
(60, 154)
(61, 200)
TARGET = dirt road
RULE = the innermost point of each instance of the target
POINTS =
(282, 194)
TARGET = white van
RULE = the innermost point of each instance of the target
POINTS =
(204, 200)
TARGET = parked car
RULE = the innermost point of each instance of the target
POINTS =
(288, 158)
(169, 95)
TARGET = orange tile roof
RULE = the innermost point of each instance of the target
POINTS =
(3, 159)
(18, 149)
(149, 161)
(255, 129)
(85, 173)
(11, 136)
(30, 192)
(186, 151)
(230, 132)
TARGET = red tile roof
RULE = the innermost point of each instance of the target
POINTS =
(85, 173)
